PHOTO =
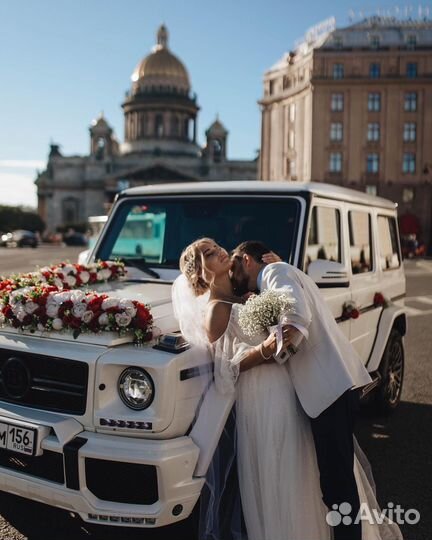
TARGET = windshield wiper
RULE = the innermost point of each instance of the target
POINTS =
(140, 264)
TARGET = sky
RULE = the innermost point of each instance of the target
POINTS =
(62, 62)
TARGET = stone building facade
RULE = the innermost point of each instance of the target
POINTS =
(160, 145)
(353, 106)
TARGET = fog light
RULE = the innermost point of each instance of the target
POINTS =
(177, 510)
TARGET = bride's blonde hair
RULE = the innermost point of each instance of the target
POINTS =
(192, 265)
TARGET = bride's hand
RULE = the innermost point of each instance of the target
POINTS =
(271, 257)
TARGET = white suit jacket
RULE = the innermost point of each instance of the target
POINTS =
(326, 364)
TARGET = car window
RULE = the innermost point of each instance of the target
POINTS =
(360, 241)
(324, 240)
(157, 230)
(388, 243)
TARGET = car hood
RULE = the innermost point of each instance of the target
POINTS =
(157, 295)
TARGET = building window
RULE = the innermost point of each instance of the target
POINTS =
(338, 42)
(409, 163)
(374, 71)
(372, 163)
(407, 195)
(371, 190)
(337, 102)
(360, 241)
(374, 102)
(271, 87)
(390, 256)
(70, 210)
(335, 162)
(410, 132)
(412, 41)
(286, 82)
(375, 42)
(292, 112)
(336, 131)
(411, 70)
(410, 103)
(338, 71)
(159, 126)
(324, 240)
(373, 132)
(292, 168)
(291, 139)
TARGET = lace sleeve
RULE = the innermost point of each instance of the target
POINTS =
(228, 353)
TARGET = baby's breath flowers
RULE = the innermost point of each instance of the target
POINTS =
(262, 311)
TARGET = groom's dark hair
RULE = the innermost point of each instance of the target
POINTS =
(253, 248)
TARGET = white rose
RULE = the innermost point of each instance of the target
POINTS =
(87, 316)
(58, 283)
(30, 307)
(109, 303)
(77, 296)
(45, 269)
(2, 318)
(69, 269)
(63, 296)
(40, 327)
(104, 274)
(84, 276)
(79, 309)
(103, 319)
(57, 324)
(70, 280)
(21, 314)
(123, 319)
(52, 310)
(128, 307)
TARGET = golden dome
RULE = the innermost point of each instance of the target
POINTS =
(161, 68)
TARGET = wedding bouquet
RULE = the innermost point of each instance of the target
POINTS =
(269, 312)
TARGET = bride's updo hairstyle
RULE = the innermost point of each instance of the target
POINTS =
(193, 267)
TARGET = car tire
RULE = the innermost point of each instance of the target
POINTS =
(391, 369)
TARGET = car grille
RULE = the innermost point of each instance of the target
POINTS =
(43, 382)
(48, 466)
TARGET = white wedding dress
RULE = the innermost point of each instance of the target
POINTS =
(277, 467)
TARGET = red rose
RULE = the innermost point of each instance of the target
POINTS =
(355, 314)
(379, 299)
(95, 304)
(7, 312)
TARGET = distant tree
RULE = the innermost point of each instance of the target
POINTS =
(18, 217)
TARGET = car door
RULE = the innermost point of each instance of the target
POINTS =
(326, 239)
(365, 277)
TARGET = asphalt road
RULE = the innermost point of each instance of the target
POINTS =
(399, 447)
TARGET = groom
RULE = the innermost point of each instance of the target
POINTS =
(325, 373)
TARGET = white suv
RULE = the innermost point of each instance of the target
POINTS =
(91, 449)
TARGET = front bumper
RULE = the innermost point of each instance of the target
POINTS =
(104, 478)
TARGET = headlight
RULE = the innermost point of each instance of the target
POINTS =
(136, 388)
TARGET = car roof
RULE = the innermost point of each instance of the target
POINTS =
(248, 187)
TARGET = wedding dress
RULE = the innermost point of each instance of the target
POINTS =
(277, 467)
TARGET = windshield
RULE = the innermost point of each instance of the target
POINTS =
(157, 230)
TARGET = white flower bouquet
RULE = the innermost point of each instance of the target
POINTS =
(269, 312)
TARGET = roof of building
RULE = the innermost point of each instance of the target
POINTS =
(161, 67)
(327, 191)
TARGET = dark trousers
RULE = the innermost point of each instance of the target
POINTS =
(333, 435)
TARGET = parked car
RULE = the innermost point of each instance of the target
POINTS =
(75, 239)
(20, 238)
(116, 433)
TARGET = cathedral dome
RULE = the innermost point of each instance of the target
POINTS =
(161, 69)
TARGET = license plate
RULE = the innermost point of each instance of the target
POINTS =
(21, 439)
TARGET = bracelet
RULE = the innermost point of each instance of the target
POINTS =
(262, 353)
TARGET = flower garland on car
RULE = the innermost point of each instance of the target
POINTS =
(51, 300)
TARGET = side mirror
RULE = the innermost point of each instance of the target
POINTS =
(327, 274)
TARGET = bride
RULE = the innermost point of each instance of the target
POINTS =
(277, 468)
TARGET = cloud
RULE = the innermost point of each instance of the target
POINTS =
(17, 188)
(22, 164)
